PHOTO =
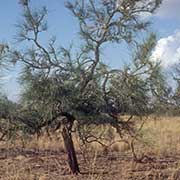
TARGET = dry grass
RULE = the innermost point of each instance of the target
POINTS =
(45, 159)
(163, 135)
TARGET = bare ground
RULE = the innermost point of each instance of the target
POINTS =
(16, 164)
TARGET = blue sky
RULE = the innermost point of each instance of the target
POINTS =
(166, 23)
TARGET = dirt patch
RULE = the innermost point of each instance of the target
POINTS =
(52, 165)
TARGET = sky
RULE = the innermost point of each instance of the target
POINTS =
(165, 22)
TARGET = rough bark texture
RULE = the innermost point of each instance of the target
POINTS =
(69, 145)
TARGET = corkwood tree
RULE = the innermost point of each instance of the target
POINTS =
(62, 86)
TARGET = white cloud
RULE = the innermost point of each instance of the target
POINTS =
(167, 50)
(169, 9)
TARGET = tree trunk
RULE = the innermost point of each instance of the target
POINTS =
(69, 146)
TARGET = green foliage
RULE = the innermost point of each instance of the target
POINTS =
(6, 107)
(58, 82)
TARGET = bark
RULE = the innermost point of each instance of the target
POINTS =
(69, 146)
